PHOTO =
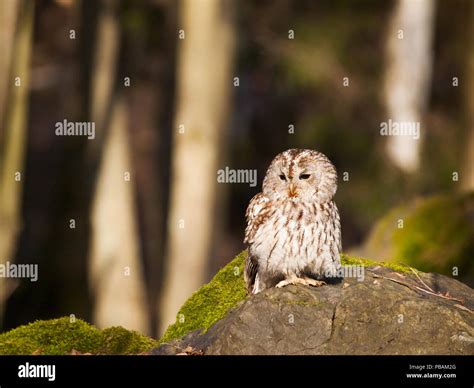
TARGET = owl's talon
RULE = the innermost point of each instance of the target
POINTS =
(305, 281)
(283, 283)
(290, 280)
(314, 282)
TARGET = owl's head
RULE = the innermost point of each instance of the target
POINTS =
(301, 174)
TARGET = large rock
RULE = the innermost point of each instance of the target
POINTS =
(383, 314)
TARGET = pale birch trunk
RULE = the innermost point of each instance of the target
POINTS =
(115, 268)
(14, 135)
(467, 174)
(8, 20)
(408, 76)
(204, 83)
(116, 271)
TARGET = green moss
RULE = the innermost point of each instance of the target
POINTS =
(117, 340)
(61, 336)
(350, 260)
(302, 303)
(436, 235)
(214, 300)
(211, 302)
(204, 308)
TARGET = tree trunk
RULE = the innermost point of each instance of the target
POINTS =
(8, 19)
(204, 82)
(467, 174)
(14, 140)
(408, 76)
(115, 268)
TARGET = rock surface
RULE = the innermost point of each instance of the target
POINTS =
(378, 315)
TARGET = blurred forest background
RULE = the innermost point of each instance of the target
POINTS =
(126, 226)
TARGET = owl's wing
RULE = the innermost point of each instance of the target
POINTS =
(250, 272)
(256, 214)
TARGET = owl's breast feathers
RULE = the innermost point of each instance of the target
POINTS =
(289, 236)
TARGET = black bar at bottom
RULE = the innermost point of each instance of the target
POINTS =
(379, 371)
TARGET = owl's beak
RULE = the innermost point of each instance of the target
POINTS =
(292, 192)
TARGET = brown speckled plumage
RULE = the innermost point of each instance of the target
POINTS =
(293, 229)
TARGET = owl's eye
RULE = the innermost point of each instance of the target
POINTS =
(283, 177)
(305, 176)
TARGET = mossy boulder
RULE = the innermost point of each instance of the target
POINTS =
(224, 292)
(211, 302)
(72, 336)
(390, 310)
(433, 234)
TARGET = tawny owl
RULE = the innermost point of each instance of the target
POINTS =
(293, 229)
